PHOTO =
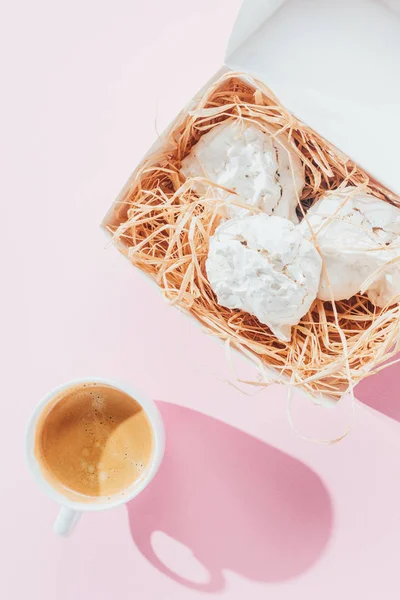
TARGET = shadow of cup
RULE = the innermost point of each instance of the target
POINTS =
(234, 501)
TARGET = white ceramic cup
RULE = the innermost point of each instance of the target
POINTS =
(71, 510)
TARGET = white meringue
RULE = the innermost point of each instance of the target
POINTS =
(263, 265)
(264, 171)
(354, 231)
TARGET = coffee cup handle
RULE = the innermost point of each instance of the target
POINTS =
(66, 520)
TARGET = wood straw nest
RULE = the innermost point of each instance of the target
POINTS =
(164, 228)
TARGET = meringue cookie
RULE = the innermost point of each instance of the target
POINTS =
(264, 266)
(354, 231)
(263, 171)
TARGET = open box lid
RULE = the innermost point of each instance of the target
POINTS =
(335, 66)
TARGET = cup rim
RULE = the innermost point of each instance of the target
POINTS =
(152, 413)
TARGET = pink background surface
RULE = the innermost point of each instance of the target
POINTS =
(241, 506)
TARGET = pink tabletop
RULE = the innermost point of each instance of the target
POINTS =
(242, 507)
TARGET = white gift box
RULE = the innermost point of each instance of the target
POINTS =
(335, 66)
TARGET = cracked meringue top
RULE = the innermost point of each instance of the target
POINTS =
(259, 166)
(263, 265)
(354, 232)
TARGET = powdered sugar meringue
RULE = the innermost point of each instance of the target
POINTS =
(263, 265)
(263, 170)
(356, 234)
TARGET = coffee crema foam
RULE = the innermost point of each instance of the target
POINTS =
(93, 440)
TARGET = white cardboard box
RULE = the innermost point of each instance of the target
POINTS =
(335, 65)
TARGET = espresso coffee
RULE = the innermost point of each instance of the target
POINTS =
(93, 440)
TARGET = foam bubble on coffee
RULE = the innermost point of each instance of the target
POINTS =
(94, 440)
